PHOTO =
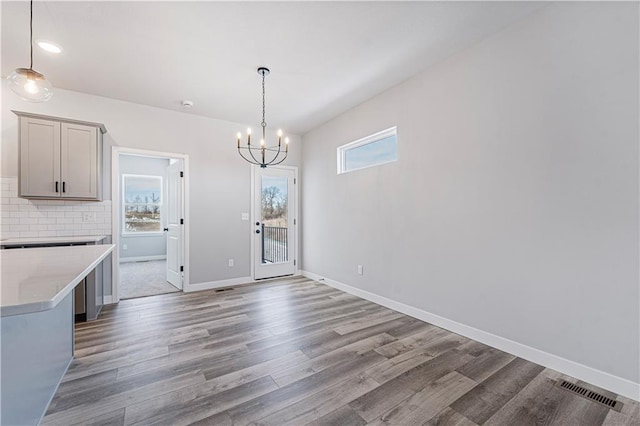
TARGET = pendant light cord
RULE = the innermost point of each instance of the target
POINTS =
(31, 35)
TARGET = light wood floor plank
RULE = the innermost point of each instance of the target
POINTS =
(342, 416)
(395, 391)
(450, 417)
(174, 401)
(542, 402)
(283, 397)
(201, 407)
(103, 400)
(486, 365)
(426, 404)
(295, 351)
(328, 360)
(320, 403)
(480, 404)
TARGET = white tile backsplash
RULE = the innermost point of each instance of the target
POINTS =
(20, 217)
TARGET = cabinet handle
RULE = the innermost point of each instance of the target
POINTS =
(63, 187)
(56, 186)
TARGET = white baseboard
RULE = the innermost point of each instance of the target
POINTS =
(217, 284)
(599, 378)
(108, 300)
(142, 258)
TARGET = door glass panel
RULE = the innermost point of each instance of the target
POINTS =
(274, 224)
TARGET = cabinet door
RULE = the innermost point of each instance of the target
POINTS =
(39, 158)
(79, 161)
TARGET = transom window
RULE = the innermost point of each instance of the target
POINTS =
(373, 150)
(142, 201)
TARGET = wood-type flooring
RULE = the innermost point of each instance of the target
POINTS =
(296, 352)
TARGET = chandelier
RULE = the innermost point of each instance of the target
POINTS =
(263, 155)
(28, 83)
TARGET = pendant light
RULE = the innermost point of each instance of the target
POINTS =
(263, 155)
(28, 83)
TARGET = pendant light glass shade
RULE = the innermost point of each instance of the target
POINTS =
(30, 85)
(27, 83)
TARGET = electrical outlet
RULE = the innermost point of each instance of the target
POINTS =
(230, 263)
(360, 272)
(124, 247)
(88, 217)
(245, 216)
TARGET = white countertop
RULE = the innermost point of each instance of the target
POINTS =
(37, 279)
(52, 240)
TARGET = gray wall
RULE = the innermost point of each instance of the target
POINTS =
(513, 207)
(220, 181)
(143, 245)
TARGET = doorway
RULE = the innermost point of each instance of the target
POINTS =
(149, 206)
(274, 222)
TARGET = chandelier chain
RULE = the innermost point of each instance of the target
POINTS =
(264, 123)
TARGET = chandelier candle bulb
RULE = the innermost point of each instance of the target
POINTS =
(239, 137)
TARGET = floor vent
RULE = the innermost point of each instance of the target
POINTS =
(220, 290)
(593, 396)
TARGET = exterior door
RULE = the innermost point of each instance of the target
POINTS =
(174, 224)
(274, 222)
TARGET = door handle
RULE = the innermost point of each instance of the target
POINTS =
(56, 186)
(166, 229)
(63, 187)
(257, 231)
(257, 223)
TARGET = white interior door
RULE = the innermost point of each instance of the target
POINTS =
(175, 223)
(274, 222)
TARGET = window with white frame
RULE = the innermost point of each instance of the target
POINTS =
(142, 204)
(373, 150)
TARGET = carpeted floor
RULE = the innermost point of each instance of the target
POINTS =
(138, 279)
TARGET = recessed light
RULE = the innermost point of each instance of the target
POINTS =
(49, 46)
(187, 104)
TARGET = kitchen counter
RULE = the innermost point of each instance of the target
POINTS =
(36, 303)
(37, 279)
(52, 240)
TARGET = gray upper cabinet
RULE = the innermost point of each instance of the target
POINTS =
(60, 158)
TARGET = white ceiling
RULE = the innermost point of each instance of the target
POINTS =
(325, 57)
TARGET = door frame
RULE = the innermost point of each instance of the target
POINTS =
(116, 206)
(296, 216)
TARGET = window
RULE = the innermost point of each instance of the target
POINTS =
(373, 150)
(142, 201)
